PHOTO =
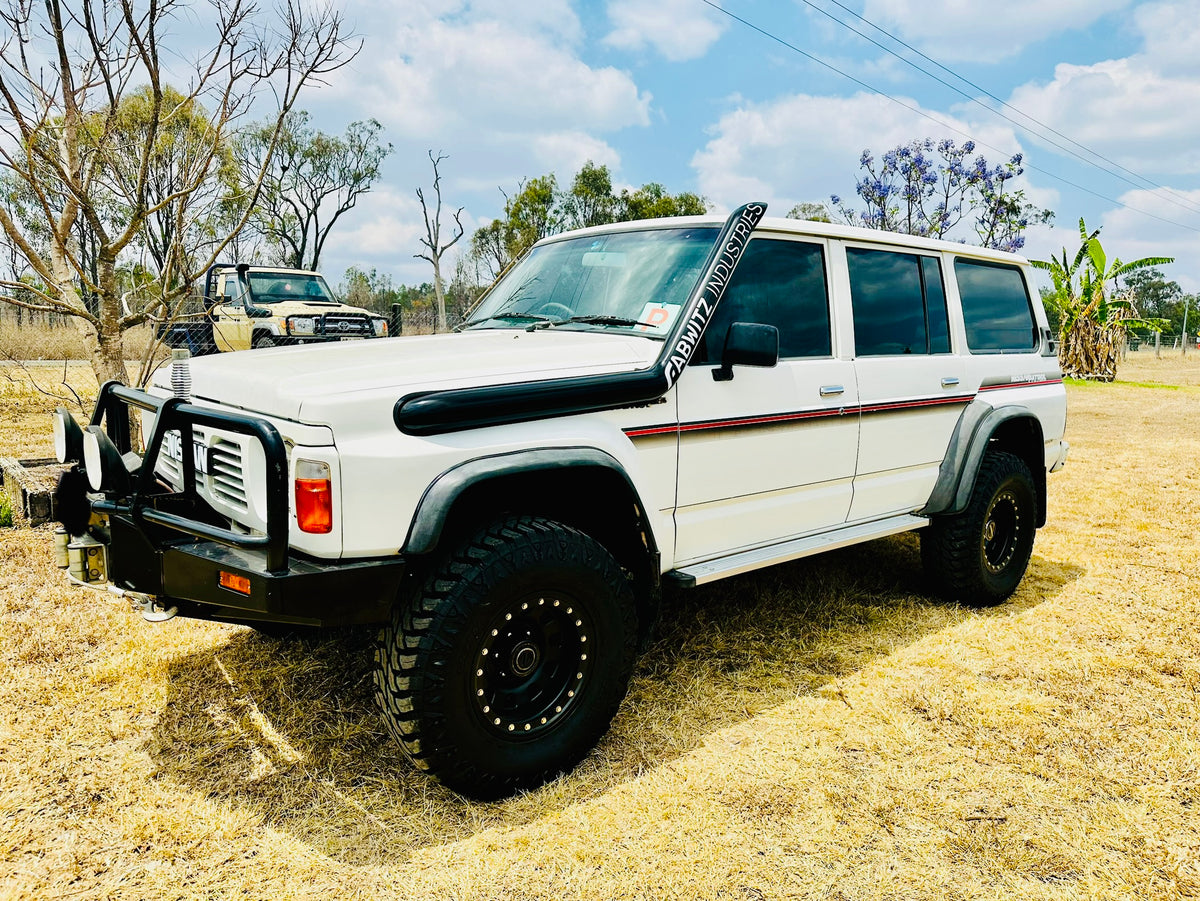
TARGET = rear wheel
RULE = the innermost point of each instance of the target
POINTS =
(509, 663)
(979, 556)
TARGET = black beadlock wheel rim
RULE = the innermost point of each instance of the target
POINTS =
(1001, 531)
(534, 661)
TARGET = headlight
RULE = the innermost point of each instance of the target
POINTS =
(380, 326)
(102, 461)
(302, 325)
(68, 437)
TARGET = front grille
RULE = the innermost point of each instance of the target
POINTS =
(224, 480)
(346, 325)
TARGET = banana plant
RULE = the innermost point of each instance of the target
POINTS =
(1093, 319)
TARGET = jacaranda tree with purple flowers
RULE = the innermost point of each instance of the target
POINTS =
(932, 188)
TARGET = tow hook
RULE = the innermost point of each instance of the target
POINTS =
(149, 607)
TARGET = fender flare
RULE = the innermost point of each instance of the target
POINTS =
(960, 467)
(430, 515)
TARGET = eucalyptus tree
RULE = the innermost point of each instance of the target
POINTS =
(435, 247)
(67, 71)
(310, 180)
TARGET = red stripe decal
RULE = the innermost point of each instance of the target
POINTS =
(1021, 385)
(774, 418)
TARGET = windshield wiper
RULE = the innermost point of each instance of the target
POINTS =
(516, 317)
(602, 319)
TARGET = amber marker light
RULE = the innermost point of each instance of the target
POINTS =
(234, 582)
(314, 497)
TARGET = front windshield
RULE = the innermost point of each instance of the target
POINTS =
(275, 287)
(629, 281)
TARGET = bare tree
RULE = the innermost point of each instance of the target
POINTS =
(310, 175)
(433, 237)
(66, 66)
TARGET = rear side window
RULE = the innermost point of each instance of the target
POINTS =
(995, 305)
(899, 303)
(779, 283)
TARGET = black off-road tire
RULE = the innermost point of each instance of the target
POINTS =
(506, 667)
(979, 556)
(264, 340)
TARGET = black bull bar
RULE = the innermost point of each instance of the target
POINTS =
(171, 543)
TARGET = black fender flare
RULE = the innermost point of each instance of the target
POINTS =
(430, 515)
(977, 424)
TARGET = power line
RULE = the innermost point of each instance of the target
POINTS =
(920, 112)
(1145, 182)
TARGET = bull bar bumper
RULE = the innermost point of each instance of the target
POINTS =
(170, 544)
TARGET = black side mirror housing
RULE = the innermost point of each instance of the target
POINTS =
(748, 344)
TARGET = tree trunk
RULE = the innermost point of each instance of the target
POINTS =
(440, 293)
(108, 350)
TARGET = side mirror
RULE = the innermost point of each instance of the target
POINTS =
(748, 344)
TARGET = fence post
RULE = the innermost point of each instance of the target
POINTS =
(1157, 351)
(396, 320)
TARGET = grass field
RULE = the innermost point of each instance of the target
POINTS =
(816, 730)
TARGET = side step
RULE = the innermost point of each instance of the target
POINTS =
(734, 564)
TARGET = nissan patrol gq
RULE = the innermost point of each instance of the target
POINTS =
(663, 402)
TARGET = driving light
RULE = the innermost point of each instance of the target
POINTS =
(314, 497)
(68, 437)
(105, 468)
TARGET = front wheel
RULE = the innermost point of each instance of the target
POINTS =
(509, 664)
(262, 339)
(979, 556)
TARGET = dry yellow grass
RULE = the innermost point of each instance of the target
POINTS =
(818, 730)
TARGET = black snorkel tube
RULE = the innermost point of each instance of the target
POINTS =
(438, 412)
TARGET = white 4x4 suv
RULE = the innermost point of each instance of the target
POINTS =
(666, 401)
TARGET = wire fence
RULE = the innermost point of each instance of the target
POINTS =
(27, 336)
(1160, 343)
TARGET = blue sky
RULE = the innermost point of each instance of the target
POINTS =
(677, 92)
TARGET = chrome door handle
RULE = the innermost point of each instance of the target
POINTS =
(831, 390)
(949, 382)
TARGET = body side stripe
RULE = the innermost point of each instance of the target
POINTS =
(822, 413)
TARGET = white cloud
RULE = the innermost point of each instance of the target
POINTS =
(803, 148)
(500, 87)
(384, 231)
(1131, 235)
(444, 77)
(567, 151)
(953, 30)
(1128, 234)
(677, 29)
(1135, 110)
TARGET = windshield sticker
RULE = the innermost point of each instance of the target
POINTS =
(657, 317)
(703, 307)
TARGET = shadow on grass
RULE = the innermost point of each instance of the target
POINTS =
(288, 729)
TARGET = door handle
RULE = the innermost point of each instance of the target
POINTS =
(831, 390)
(949, 382)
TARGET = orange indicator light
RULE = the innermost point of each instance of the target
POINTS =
(234, 582)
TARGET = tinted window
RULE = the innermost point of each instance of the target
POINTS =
(995, 305)
(889, 305)
(779, 283)
(935, 306)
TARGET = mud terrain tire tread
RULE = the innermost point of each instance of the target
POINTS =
(420, 683)
(953, 547)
